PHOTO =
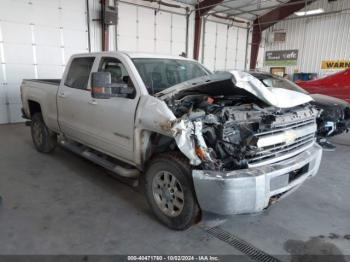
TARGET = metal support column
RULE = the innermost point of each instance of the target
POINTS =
(201, 9)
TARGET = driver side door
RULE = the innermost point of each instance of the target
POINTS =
(113, 126)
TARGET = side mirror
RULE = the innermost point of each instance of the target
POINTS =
(102, 88)
(101, 85)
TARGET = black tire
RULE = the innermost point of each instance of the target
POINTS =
(177, 165)
(44, 139)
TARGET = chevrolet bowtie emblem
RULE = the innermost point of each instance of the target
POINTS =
(290, 136)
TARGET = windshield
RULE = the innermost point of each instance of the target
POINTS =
(278, 82)
(160, 73)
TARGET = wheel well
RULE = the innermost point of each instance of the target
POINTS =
(161, 143)
(34, 107)
(158, 144)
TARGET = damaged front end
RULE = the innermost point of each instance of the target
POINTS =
(227, 137)
(222, 127)
(243, 148)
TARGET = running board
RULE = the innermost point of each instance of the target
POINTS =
(100, 159)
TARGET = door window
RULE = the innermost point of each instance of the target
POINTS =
(119, 75)
(79, 72)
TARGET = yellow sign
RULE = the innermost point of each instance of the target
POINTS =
(335, 64)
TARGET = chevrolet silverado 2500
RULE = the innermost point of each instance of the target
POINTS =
(220, 143)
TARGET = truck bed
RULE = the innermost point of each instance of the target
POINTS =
(42, 92)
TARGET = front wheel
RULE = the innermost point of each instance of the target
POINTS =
(170, 192)
(44, 139)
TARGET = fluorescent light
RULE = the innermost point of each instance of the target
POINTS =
(310, 12)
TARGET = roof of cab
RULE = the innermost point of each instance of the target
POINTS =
(151, 55)
(137, 55)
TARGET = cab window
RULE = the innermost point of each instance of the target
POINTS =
(79, 72)
(119, 75)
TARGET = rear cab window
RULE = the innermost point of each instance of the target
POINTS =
(79, 72)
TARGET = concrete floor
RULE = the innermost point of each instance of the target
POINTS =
(63, 204)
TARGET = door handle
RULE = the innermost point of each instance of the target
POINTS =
(61, 94)
(93, 102)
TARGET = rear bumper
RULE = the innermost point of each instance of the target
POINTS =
(251, 190)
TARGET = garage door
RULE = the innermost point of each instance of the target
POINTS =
(145, 30)
(224, 46)
(36, 39)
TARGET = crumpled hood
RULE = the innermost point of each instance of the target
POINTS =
(278, 97)
(237, 83)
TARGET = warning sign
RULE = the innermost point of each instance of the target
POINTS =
(335, 64)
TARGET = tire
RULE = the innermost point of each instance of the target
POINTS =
(173, 201)
(44, 140)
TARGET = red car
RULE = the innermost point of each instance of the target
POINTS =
(337, 85)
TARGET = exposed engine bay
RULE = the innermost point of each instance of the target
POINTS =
(222, 127)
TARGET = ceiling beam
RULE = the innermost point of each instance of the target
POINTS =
(265, 21)
(289, 3)
(238, 9)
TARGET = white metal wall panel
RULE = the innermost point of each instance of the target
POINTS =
(95, 28)
(221, 46)
(36, 39)
(163, 33)
(241, 48)
(224, 46)
(127, 27)
(143, 29)
(231, 57)
(191, 34)
(178, 39)
(317, 38)
(209, 45)
(146, 34)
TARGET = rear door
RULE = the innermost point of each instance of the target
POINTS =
(75, 105)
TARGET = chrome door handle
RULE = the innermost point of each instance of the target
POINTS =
(93, 102)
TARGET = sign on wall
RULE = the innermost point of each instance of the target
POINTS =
(281, 58)
(335, 64)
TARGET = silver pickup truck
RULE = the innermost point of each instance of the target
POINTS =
(221, 143)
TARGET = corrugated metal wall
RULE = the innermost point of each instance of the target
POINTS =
(318, 38)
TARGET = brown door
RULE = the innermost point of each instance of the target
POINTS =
(280, 71)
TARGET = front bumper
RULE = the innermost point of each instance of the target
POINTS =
(251, 190)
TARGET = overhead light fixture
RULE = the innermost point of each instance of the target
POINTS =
(310, 12)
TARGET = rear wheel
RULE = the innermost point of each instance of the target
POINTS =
(170, 192)
(44, 139)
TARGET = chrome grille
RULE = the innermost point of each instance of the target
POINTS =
(290, 125)
(275, 145)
